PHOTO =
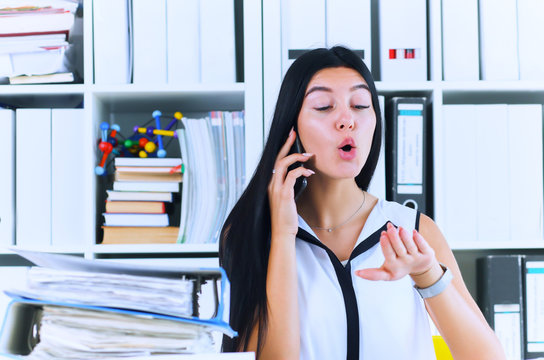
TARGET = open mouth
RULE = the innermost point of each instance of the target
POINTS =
(346, 148)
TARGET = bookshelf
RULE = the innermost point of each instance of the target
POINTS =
(118, 102)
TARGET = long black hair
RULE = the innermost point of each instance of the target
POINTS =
(245, 237)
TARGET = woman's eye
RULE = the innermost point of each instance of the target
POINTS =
(361, 107)
(323, 108)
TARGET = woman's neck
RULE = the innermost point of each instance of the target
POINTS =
(329, 202)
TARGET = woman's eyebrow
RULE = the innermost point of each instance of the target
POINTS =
(360, 86)
(326, 89)
(318, 88)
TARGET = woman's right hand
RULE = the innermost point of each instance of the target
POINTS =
(281, 194)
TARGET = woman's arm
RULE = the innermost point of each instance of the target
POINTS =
(454, 311)
(282, 339)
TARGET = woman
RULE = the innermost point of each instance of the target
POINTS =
(331, 275)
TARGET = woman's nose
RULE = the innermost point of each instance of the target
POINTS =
(345, 121)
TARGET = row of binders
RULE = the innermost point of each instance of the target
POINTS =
(492, 39)
(402, 33)
(511, 296)
(213, 154)
(44, 181)
(492, 173)
(36, 41)
(491, 167)
(132, 312)
(481, 39)
(164, 41)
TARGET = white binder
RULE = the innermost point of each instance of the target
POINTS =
(348, 24)
(183, 41)
(525, 172)
(460, 173)
(492, 178)
(111, 42)
(498, 40)
(460, 46)
(33, 177)
(530, 35)
(149, 39)
(217, 45)
(302, 28)
(70, 214)
(7, 180)
(403, 40)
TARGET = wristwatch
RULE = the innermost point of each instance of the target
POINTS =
(439, 286)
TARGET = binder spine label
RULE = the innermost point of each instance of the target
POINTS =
(507, 318)
(535, 306)
(410, 149)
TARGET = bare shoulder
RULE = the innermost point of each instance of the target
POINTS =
(434, 237)
(431, 232)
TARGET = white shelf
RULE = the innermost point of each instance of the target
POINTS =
(494, 245)
(45, 89)
(169, 88)
(399, 86)
(492, 86)
(155, 248)
(49, 249)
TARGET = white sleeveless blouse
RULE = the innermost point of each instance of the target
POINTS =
(343, 316)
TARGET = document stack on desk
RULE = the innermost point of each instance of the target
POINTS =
(72, 308)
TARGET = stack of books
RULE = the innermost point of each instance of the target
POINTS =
(136, 207)
(73, 308)
(35, 41)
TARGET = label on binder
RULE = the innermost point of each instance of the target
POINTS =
(535, 303)
(507, 319)
(410, 149)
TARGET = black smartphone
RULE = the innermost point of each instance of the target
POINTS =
(301, 182)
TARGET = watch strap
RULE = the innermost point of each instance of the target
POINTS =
(439, 286)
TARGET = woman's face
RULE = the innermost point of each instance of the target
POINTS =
(337, 122)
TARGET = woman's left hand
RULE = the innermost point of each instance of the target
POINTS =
(404, 255)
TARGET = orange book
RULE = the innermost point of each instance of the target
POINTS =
(140, 235)
(137, 207)
(142, 176)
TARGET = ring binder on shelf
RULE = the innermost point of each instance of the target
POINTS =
(406, 149)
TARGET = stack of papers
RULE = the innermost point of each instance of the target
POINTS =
(165, 296)
(72, 308)
(72, 333)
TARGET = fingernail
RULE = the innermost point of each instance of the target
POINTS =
(311, 171)
(291, 132)
(307, 154)
(389, 225)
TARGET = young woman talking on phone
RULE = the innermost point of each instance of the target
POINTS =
(334, 272)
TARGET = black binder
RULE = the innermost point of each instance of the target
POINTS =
(407, 153)
(500, 297)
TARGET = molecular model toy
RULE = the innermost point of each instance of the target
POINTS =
(145, 141)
